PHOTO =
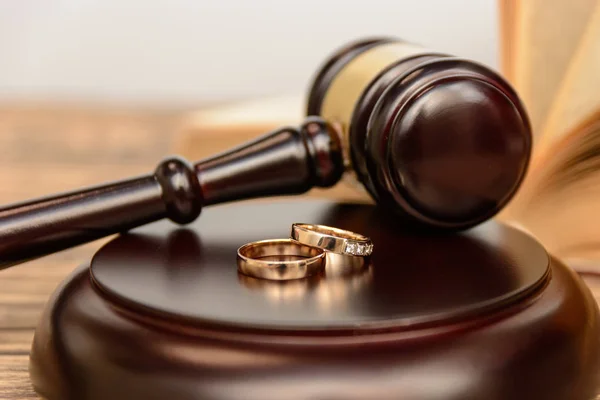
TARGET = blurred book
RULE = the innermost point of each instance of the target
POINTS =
(215, 129)
(551, 54)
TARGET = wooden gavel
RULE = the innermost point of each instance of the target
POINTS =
(442, 143)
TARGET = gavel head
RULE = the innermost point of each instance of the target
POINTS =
(442, 141)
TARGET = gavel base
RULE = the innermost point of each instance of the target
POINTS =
(91, 345)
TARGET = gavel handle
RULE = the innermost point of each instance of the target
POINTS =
(287, 161)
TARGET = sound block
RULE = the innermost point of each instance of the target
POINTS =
(161, 313)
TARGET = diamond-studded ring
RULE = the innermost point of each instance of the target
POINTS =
(332, 239)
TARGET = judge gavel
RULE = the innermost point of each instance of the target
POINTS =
(441, 143)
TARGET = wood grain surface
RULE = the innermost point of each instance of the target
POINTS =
(46, 150)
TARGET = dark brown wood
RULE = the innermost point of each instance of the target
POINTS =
(460, 167)
(192, 272)
(54, 149)
(364, 110)
(35, 228)
(48, 149)
(288, 161)
(440, 141)
(484, 314)
(444, 146)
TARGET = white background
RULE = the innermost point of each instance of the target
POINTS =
(184, 52)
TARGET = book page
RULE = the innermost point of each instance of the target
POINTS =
(228, 125)
(507, 10)
(579, 95)
(563, 201)
(546, 37)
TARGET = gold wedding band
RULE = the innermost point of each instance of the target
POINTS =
(335, 240)
(280, 259)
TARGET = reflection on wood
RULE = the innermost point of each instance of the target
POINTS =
(50, 150)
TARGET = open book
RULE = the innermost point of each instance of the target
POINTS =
(550, 51)
(551, 54)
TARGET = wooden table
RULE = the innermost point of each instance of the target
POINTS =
(43, 151)
(48, 150)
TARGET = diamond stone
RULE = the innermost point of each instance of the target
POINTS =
(351, 248)
(359, 249)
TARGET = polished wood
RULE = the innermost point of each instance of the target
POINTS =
(287, 161)
(77, 147)
(96, 147)
(192, 272)
(445, 146)
(165, 314)
(441, 141)
(49, 149)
